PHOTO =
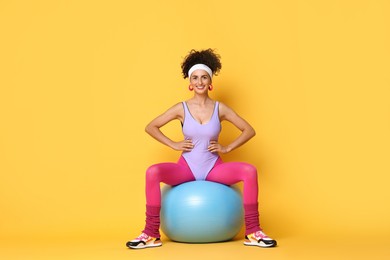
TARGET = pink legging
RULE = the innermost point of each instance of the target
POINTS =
(176, 173)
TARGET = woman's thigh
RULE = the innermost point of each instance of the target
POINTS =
(232, 172)
(170, 173)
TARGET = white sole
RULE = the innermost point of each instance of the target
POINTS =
(261, 244)
(145, 246)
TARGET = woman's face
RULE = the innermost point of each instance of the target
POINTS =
(200, 81)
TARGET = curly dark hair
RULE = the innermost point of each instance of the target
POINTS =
(207, 57)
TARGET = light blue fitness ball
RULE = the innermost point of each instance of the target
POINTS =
(201, 212)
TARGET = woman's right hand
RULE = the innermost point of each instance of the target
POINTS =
(185, 145)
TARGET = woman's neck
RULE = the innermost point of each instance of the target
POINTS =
(201, 99)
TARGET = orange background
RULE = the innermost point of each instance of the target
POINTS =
(81, 79)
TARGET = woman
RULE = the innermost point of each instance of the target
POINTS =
(201, 119)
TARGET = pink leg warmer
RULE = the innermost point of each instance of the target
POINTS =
(168, 173)
(232, 172)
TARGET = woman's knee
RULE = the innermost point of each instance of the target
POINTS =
(153, 173)
(250, 171)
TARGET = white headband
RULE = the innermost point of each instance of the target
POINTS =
(200, 67)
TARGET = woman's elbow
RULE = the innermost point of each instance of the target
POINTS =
(148, 129)
(253, 132)
(250, 132)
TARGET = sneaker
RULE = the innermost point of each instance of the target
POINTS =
(144, 241)
(259, 239)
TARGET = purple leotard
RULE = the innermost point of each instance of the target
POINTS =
(199, 159)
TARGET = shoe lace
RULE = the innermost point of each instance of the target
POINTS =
(260, 234)
(142, 236)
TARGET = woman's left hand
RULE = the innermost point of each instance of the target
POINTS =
(215, 147)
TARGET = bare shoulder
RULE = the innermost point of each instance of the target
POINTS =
(176, 111)
(172, 113)
(225, 112)
(228, 114)
(177, 107)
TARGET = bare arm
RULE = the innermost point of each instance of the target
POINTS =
(153, 128)
(247, 131)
